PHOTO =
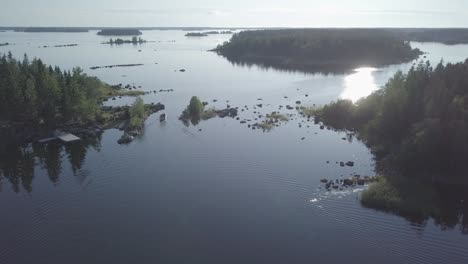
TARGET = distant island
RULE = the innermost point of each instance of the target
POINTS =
(51, 29)
(120, 41)
(61, 46)
(4, 44)
(207, 33)
(196, 34)
(315, 50)
(218, 32)
(120, 32)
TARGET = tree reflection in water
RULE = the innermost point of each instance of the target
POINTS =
(18, 161)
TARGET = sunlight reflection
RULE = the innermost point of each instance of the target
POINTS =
(359, 84)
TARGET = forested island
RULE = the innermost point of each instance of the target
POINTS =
(119, 41)
(120, 32)
(226, 32)
(312, 50)
(196, 34)
(51, 29)
(36, 98)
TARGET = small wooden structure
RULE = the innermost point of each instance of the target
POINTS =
(68, 138)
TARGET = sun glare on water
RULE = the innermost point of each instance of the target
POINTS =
(359, 84)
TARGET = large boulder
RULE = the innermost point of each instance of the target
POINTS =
(348, 182)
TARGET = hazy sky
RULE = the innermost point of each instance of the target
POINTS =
(236, 13)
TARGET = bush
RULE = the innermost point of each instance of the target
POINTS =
(195, 107)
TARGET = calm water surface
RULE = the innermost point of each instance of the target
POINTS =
(225, 194)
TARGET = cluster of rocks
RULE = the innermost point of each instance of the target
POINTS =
(341, 184)
(228, 112)
(343, 164)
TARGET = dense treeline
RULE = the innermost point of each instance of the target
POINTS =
(120, 32)
(448, 36)
(417, 124)
(119, 41)
(312, 47)
(32, 92)
(52, 29)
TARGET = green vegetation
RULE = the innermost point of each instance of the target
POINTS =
(318, 49)
(273, 119)
(120, 32)
(400, 197)
(277, 116)
(195, 112)
(265, 125)
(209, 113)
(119, 41)
(416, 125)
(120, 92)
(418, 201)
(195, 107)
(137, 114)
(31, 92)
(308, 110)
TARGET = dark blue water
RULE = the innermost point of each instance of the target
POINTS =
(225, 194)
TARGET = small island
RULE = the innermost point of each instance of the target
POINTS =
(196, 34)
(61, 46)
(317, 50)
(4, 44)
(195, 112)
(119, 41)
(116, 66)
(120, 32)
(132, 118)
(225, 32)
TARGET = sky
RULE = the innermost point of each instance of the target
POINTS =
(235, 13)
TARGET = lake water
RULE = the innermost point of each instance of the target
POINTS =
(225, 194)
